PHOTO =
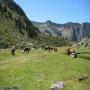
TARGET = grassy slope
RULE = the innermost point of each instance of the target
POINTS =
(38, 69)
(8, 32)
(15, 27)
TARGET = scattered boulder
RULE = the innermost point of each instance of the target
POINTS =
(57, 85)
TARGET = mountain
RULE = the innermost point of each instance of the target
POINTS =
(72, 31)
(15, 28)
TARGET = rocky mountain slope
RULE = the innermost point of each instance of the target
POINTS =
(72, 31)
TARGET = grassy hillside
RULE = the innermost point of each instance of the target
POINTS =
(85, 43)
(38, 69)
(15, 27)
(52, 41)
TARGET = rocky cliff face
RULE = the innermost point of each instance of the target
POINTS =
(73, 31)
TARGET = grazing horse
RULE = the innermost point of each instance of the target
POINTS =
(13, 50)
(50, 49)
(71, 52)
(55, 49)
(47, 48)
(68, 51)
(26, 49)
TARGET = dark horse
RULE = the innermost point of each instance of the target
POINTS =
(13, 50)
(47, 49)
(50, 49)
(26, 49)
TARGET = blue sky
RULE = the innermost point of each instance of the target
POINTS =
(59, 11)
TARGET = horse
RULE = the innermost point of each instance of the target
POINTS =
(55, 49)
(71, 52)
(26, 49)
(68, 51)
(49, 48)
(13, 50)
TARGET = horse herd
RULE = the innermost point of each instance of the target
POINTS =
(69, 51)
(25, 50)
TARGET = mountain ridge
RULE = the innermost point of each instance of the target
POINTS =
(73, 31)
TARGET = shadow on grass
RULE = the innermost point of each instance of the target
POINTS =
(87, 58)
(83, 53)
(84, 57)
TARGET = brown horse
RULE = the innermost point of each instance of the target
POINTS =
(71, 52)
(26, 49)
(68, 51)
(13, 50)
(49, 48)
(55, 49)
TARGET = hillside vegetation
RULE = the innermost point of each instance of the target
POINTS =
(52, 41)
(15, 27)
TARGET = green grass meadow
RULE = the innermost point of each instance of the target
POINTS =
(37, 70)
